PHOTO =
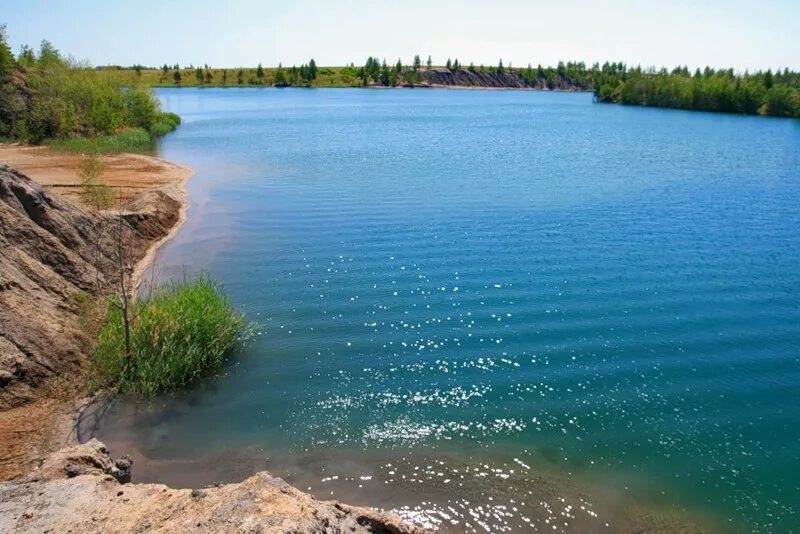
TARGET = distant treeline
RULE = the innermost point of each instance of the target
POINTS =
(761, 93)
(374, 72)
(764, 93)
(45, 96)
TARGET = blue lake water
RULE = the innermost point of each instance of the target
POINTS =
(498, 310)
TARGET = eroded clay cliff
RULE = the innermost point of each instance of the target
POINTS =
(51, 259)
(51, 253)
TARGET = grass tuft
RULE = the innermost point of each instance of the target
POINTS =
(180, 334)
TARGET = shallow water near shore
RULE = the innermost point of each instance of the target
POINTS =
(491, 310)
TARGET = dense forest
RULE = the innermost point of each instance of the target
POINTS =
(46, 97)
(761, 93)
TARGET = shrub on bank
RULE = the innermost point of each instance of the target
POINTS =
(126, 140)
(129, 140)
(182, 332)
(46, 97)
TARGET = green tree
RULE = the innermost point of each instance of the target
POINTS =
(429, 63)
(240, 77)
(280, 78)
(7, 61)
(373, 69)
(417, 62)
(48, 55)
(768, 79)
(176, 76)
(260, 73)
(449, 64)
(26, 57)
(198, 73)
(384, 74)
(782, 101)
(500, 68)
(312, 70)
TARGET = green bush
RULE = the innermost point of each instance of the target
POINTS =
(164, 124)
(180, 334)
(140, 110)
(46, 96)
(126, 140)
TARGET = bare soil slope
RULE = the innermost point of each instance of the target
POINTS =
(49, 262)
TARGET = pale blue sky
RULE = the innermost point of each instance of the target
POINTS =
(738, 33)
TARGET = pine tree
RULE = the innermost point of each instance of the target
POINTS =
(177, 76)
(280, 79)
(260, 73)
(429, 63)
(312, 70)
(417, 62)
(384, 73)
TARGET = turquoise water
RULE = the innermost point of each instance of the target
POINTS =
(492, 309)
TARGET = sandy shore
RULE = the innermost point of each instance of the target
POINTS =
(128, 174)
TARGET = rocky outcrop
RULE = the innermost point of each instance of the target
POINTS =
(79, 490)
